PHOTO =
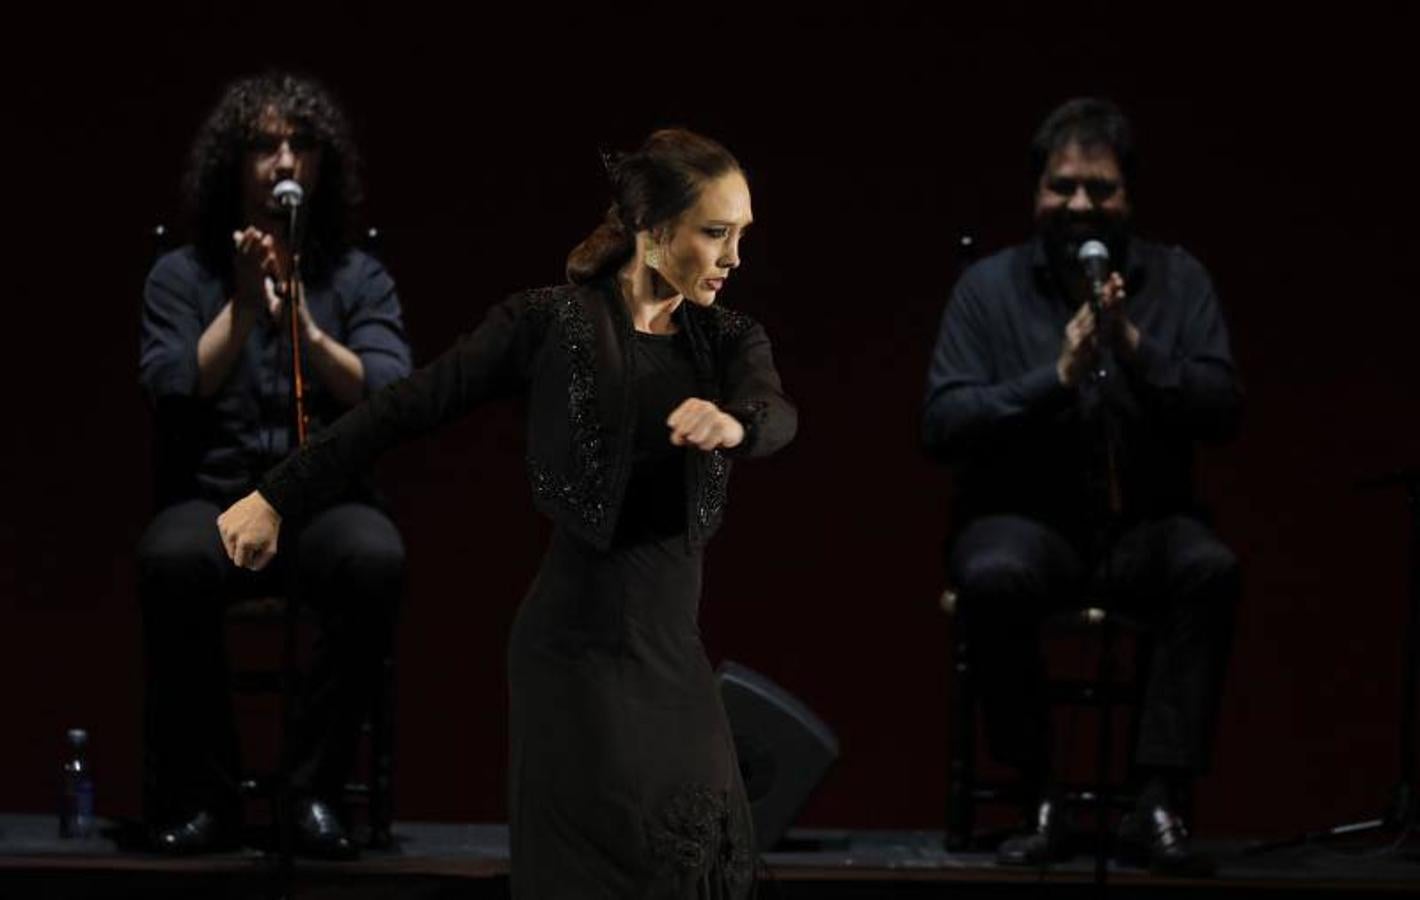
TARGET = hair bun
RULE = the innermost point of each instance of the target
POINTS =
(614, 220)
(651, 186)
(611, 163)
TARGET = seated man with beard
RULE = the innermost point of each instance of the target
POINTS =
(1070, 425)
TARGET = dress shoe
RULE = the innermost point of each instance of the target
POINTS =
(320, 834)
(1048, 842)
(203, 833)
(1154, 837)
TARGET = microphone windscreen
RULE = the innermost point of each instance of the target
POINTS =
(1091, 252)
(288, 193)
(1094, 258)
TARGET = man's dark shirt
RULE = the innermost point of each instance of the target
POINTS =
(1022, 443)
(218, 447)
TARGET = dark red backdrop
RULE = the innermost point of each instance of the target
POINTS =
(1278, 152)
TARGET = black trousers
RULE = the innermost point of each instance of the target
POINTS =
(1011, 571)
(346, 563)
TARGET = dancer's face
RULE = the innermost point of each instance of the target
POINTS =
(703, 245)
(277, 151)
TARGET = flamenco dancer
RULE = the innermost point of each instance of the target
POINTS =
(641, 391)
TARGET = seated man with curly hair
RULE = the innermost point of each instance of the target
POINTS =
(216, 361)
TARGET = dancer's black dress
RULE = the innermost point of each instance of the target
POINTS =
(623, 776)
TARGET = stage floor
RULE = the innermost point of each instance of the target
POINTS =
(436, 860)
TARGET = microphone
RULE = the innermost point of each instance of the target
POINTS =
(290, 195)
(1094, 257)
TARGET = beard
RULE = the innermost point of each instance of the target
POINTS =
(1064, 232)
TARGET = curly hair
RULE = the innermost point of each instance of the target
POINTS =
(213, 182)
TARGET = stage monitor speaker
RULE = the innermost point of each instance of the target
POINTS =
(783, 748)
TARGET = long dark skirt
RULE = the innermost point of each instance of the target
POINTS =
(623, 776)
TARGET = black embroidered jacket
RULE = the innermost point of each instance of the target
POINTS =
(569, 349)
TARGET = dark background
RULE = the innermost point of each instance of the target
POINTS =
(1279, 151)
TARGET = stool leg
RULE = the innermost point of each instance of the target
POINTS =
(285, 793)
(1143, 665)
(961, 802)
(382, 758)
(1104, 686)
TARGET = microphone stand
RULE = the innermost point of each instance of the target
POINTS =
(295, 298)
(1098, 378)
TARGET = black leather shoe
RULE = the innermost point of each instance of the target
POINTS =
(203, 833)
(320, 834)
(1154, 837)
(1047, 843)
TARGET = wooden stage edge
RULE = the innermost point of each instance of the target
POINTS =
(454, 859)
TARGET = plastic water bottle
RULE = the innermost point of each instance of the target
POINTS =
(76, 795)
